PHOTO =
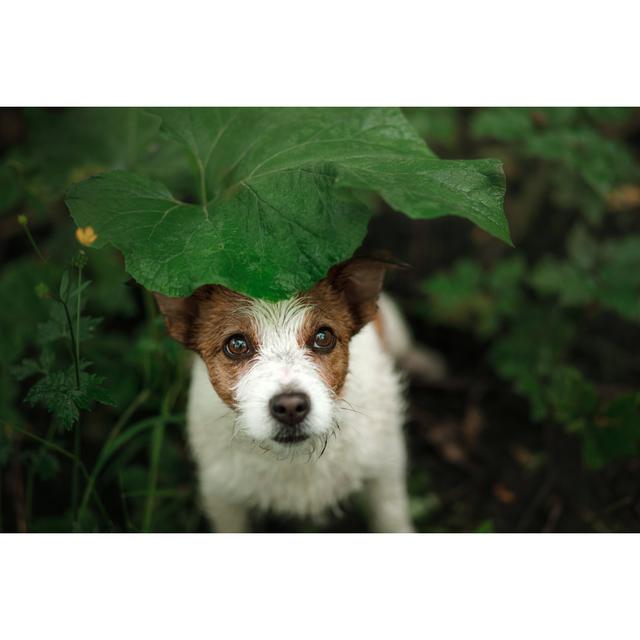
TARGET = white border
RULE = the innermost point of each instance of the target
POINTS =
(286, 52)
(320, 586)
(294, 53)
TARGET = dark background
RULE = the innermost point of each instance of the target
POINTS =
(536, 427)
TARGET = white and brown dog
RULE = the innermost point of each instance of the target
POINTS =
(294, 405)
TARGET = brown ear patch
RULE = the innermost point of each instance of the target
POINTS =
(203, 322)
(202, 317)
(359, 281)
(345, 300)
(180, 316)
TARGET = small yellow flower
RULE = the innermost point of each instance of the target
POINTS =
(86, 236)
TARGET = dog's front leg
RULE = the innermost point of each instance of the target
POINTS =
(225, 517)
(389, 503)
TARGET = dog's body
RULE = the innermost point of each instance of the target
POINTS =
(366, 451)
(295, 405)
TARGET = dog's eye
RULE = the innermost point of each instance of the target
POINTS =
(324, 340)
(237, 346)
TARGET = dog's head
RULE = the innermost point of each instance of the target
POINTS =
(280, 366)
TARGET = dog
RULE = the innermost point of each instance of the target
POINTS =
(295, 405)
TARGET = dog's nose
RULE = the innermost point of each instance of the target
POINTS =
(290, 408)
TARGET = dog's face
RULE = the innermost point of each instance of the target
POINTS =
(280, 366)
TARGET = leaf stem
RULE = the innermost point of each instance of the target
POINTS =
(76, 472)
(25, 225)
(71, 456)
(157, 438)
(203, 186)
(77, 336)
(73, 341)
(103, 456)
(76, 435)
(31, 477)
(150, 314)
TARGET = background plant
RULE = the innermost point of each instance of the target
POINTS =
(532, 313)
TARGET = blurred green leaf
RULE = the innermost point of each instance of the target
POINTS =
(486, 526)
(602, 163)
(509, 124)
(468, 296)
(436, 125)
(607, 274)
(566, 140)
(529, 352)
(573, 399)
(616, 433)
(68, 145)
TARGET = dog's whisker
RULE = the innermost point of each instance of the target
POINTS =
(326, 439)
(351, 407)
(353, 411)
(344, 400)
(222, 415)
(312, 450)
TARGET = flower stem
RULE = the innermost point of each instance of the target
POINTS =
(76, 473)
(73, 341)
(76, 448)
(25, 226)
(77, 336)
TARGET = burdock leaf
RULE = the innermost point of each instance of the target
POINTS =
(272, 215)
(258, 242)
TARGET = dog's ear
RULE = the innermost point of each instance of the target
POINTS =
(180, 317)
(360, 281)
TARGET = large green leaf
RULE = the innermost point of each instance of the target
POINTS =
(246, 243)
(273, 214)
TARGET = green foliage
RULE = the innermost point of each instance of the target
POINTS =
(58, 393)
(274, 209)
(68, 145)
(532, 316)
(465, 296)
(610, 430)
(615, 433)
(528, 353)
(439, 125)
(486, 526)
(530, 343)
(605, 274)
(63, 392)
(585, 160)
(573, 399)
